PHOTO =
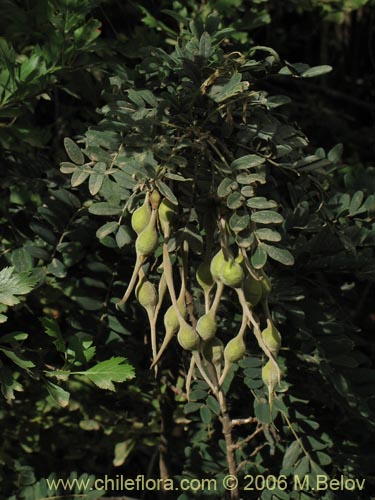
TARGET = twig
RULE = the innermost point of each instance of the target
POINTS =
(247, 439)
(226, 423)
(244, 421)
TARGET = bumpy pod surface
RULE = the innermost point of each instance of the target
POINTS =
(270, 375)
(167, 211)
(146, 294)
(187, 337)
(204, 276)
(216, 264)
(141, 217)
(171, 322)
(206, 326)
(272, 338)
(252, 290)
(235, 349)
(232, 274)
(147, 241)
(213, 350)
(155, 198)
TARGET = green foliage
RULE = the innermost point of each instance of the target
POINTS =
(196, 110)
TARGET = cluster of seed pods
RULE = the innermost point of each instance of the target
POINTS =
(220, 270)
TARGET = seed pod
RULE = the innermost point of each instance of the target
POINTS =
(145, 244)
(272, 338)
(270, 376)
(235, 349)
(146, 294)
(171, 325)
(141, 216)
(147, 241)
(216, 264)
(213, 350)
(204, 276)
(252, 290)
(167, 211)
(207, 326)
(232, 274)
(171, 321)
(187, 337)
(155, 199)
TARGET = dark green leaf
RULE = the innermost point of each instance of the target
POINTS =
(166, 191)
(226, 187)
(281, 255)
(18, 360)
(302, 468)
(52, 329)
(356, 202)
(58, 394)
(248, 161)
(106, 229)
(45, 233)
(57, 268)
(104, 208)
(234, 200)
(335, 154)
(73, 151)
(316, 71)
(267, 234)
(260, 202)
(239, 222)
(97, 177)
(123, 236)
(198, 394)
(116, 369)
(262, 411)
(67, 168)
(205, 414)
(267, 217)
(79, 176)
(22, 260)
(191, 407)
(292, 453)
(323, 458)
(13, 337)
(205, 45)
(259, 257)
(213, 405)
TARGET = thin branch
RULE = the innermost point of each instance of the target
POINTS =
(247, 439)
(244, 421)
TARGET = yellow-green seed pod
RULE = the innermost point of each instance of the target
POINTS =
(235, 349)
(167, 211)
(155, 199)
(252, 290)
(272, 338)
(147, 241)
(270, 376)
(204, 276)
(207, 326)
(171, 322)
(232, 274)
(216, 264)
(141, 216)
(213, 350)
(146, 294)
(187, 337)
